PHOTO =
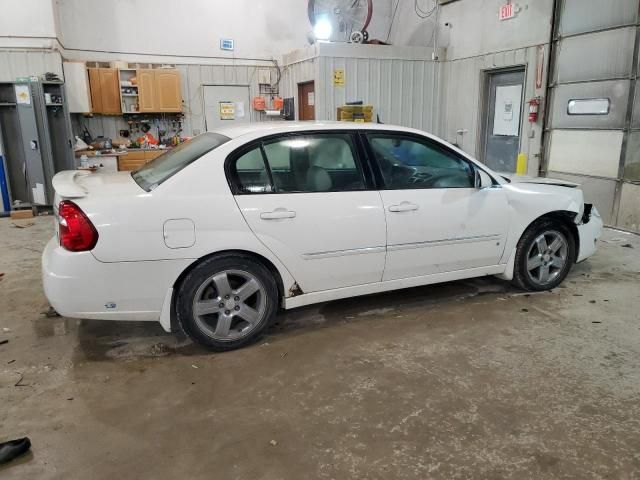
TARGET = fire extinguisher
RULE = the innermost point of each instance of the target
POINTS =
(534, 105)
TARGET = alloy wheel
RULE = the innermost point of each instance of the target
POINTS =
(547, 257)
(229, 305)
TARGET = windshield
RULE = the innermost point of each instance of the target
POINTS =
(168, 164)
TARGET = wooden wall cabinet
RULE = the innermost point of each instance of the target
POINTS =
(159, 90)
(105, 90)
(147, 91)
(168, 90)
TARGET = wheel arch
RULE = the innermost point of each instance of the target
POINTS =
(566, 217)
(268, 264)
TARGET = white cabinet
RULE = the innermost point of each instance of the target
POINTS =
(77, 87)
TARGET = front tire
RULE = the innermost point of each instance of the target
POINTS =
(226, 302)
(544, 256)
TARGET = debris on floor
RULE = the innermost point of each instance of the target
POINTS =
(13, 449)
(50, 313)
(23, 225)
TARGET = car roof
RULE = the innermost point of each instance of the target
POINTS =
(273, 127)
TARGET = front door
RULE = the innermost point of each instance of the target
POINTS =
(225, 105)
(437, 221)
(502, 120)
(305, 197)
(307, 101)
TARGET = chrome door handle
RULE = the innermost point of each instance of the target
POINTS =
(403, 207)
(277, 214)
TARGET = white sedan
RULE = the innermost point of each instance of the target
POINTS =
(216, 235)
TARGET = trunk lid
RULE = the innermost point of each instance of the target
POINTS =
(75, 184)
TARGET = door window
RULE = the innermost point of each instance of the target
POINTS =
(410, 163)
(305, 163)
(314, 163)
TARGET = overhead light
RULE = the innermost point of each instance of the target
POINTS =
(323, 28)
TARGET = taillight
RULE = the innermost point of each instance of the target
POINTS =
(77, 233)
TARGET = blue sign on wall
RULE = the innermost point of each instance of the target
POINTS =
(226, 44)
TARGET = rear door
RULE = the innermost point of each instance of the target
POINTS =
(437, 221)
(306, 197)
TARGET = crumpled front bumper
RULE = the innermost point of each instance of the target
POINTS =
(589, 232)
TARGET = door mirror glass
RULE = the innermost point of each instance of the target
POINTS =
(482, 180)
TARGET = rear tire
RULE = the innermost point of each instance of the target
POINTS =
(226, 302)
(544, 256)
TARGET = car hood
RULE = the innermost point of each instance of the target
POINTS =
(538, 180)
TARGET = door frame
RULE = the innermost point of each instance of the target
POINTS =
(300, 85)
(483, 111)
(248, 110)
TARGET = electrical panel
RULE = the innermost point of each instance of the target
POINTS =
(264, 76)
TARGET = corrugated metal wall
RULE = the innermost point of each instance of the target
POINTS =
(403, 92)
(24, 63)
(594, 58)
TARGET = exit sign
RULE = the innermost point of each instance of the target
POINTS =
(506, 12)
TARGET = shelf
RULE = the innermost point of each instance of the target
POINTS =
(53, 104)
(7, 104)
(129, 94)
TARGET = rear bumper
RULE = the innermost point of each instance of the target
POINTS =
(589, 233)
(79, 286)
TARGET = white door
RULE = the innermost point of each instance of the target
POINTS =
(436, 220)
(225, 105)
(305, 198)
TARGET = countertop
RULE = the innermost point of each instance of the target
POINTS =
(118, 152)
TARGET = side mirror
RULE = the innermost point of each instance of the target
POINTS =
(482, 179)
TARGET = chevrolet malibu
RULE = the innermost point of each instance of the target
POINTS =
(216, 235)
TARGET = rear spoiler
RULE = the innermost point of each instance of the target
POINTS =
(65, 185)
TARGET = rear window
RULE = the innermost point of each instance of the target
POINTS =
(163, 167)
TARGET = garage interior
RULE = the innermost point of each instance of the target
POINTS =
(466, 379)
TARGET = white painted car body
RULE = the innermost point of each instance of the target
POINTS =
(339, 244)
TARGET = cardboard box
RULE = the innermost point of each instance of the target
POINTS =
(21, 214)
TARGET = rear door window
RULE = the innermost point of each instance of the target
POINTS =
(323, 162)
(314, 163)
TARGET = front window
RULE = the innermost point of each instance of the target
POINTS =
(410, 163)
(165, 166)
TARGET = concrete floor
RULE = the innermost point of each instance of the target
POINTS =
(469, 379)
